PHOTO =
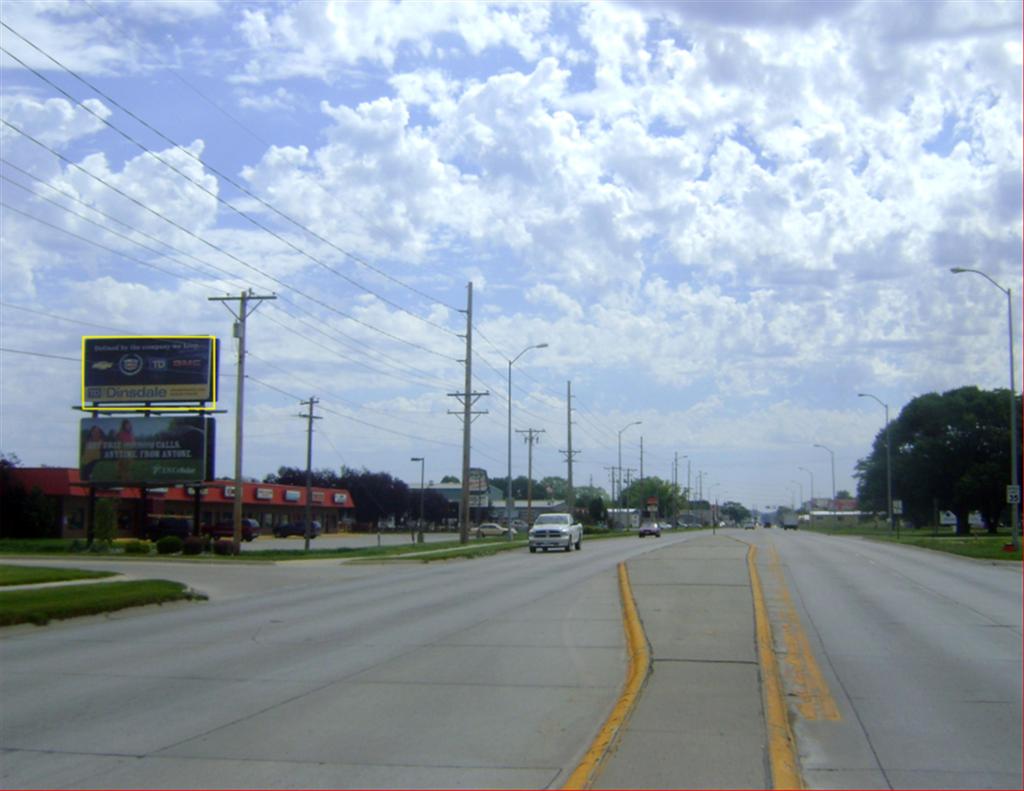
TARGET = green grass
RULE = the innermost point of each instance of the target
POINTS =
(980, 547)
(34, 546)
(71, 601)
(32, 575)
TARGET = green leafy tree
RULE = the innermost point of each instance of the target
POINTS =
(294, 476)
(597, 510)
(670, 497)
(449, 479)
(734, 511)
(950, 452)
(105, 521)
(378, 495)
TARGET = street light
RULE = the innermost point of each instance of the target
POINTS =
(422, 462)
(833, 457)
(888, 462)
(1014, 482)
(634, 423)
(508, 480)
(801, 493)
(811, 498)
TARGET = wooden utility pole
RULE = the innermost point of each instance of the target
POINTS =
(244, 310)
(313, 401)
(570, 494)
(467, 398)
(532, 436)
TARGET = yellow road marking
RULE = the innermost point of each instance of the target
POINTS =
(639, 665)
(804, 673)
(781, 744)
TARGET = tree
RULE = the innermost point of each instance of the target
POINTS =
(23, 513)
(735, 511)
(378, 495)
(949, 452)
(842, 494)
(105, 521)
(597, 510)
(293, 476)
(450, 479)
(670, 498)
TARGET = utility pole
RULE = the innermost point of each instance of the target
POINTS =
(244, 310)
(641, 458)
(532, 436)
(570, 495)
(467, 398)
(312, 402)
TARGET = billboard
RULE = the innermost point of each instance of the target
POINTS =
(149, 370)
(145, 450)
(478, 483)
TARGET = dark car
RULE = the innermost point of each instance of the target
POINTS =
(649, 529)
(226, 529)
(298, 529)
(168, 526)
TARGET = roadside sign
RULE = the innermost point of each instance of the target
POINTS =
(151, 450)
(897, 507)
(1013, 494)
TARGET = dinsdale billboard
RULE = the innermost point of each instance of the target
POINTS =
(149, 370)
(146, 450)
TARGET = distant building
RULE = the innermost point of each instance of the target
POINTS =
(270, 504)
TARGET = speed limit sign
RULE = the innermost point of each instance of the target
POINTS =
(1013, 494)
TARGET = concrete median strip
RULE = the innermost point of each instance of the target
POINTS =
(636, 675)
(703, 704)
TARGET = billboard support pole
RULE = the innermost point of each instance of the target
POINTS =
(243, 313)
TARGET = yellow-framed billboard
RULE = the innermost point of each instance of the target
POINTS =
(126, 373)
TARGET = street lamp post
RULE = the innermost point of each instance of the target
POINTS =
(833, 458)
(508, 480)
(801, 494)
(1014, 481)
(888, 462)
(422, 462)
(634, 423)
(811, 498)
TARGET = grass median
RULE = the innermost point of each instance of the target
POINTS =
(33, 575)
(39, 606)
(980, 547)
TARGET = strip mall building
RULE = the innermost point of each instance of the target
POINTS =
(268, 503)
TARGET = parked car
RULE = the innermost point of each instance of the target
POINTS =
(493, 529)
(555, 531)
(748, 525)
(226, 529)
(519, 525)
(298, 529)
(649, 529)
(157, 528)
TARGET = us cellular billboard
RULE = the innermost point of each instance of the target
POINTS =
(150, 450)
(149, 370)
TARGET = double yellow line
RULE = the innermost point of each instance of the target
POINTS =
(816, 701)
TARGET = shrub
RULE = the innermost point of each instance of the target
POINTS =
(193, 546)
(595, 530)
(137, 547)
(169, 545)
(224, 546)
(104, 529)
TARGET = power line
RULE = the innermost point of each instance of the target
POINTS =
(226, 178)
(219, 249)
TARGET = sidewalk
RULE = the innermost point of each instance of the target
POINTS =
(699, 720)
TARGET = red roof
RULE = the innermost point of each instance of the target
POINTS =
(65, 482)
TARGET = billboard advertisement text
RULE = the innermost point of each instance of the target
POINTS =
(143, 450)
(149, 370)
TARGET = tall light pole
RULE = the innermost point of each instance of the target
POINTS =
(422, 462)
(634, 423)
(811, 498)
(508, 480)
(801, 493)
(833, 457)
(888, 460)
(1014, 481)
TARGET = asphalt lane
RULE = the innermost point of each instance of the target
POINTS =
(492, 673)
(919, 651)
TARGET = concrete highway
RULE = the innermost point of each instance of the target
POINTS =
(902, 669)
(487, 673)
(903, 665)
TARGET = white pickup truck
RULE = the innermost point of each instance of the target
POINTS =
(556, 531)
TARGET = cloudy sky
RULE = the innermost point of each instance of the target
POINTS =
(726, 219)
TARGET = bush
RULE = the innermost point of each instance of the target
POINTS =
(224, 546)
(137, 547)
(104, 529)
(595, 530)
(169, 545)
(193, 546)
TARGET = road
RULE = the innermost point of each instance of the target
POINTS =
(902, 669)
(487, 673)
(910, 676)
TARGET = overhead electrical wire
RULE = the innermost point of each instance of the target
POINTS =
(222, 251)
(226, 178)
